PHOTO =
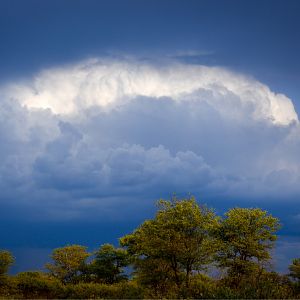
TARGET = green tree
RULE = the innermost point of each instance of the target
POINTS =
(6, 260)
(178, 238)
(68, 263)
(246, 236)
(295, 269)
(157, 275)
(108, 265)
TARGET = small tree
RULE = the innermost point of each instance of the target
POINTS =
(108, 265)
(179, 236)
(246, 236)
(6, 260)
(295, 274)
(157, 274)
(68, 263)
(295, 269)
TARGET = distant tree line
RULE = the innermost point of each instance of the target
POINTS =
(185, 251)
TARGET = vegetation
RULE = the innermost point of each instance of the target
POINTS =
(245, 236)
(169, 256)
(108, 265)
(69, 263)
(169, 248)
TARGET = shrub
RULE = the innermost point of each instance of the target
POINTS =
(124, 290)
(38, 285)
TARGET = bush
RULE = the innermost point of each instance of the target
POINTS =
(259, 285)
(8, 288)
(33, 285)
(201, 287)
(124, 290)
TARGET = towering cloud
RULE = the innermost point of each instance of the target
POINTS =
(113, 83)
(82, 137)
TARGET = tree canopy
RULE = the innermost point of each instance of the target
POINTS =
(68, 262)
(6, 260)
(295, 269)
(109, 263)
(246, 236)
(179, 237)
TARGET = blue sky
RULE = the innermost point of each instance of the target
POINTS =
(107, 106)
(257, 37)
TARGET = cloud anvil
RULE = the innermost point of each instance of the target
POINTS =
(75, 135)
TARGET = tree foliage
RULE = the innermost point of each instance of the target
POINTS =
(37, 284)
(6, 260)
(108, 265)
(246, 236)
(295, 269)
(69, 262)
(179, 237)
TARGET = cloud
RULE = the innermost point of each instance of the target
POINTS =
(87, 138)
(111, 83)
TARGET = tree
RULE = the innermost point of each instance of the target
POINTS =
(178, 238)
(69, 263)
(6, 260)
(295, 269)
(295, 274)
(108, 265)
(246, 236)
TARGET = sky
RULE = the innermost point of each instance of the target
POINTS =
(107, 106)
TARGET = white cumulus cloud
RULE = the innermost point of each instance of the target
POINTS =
(79, 136)
(110, 83)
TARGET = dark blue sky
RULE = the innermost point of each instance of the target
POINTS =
(257, 37)
(46, 187)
